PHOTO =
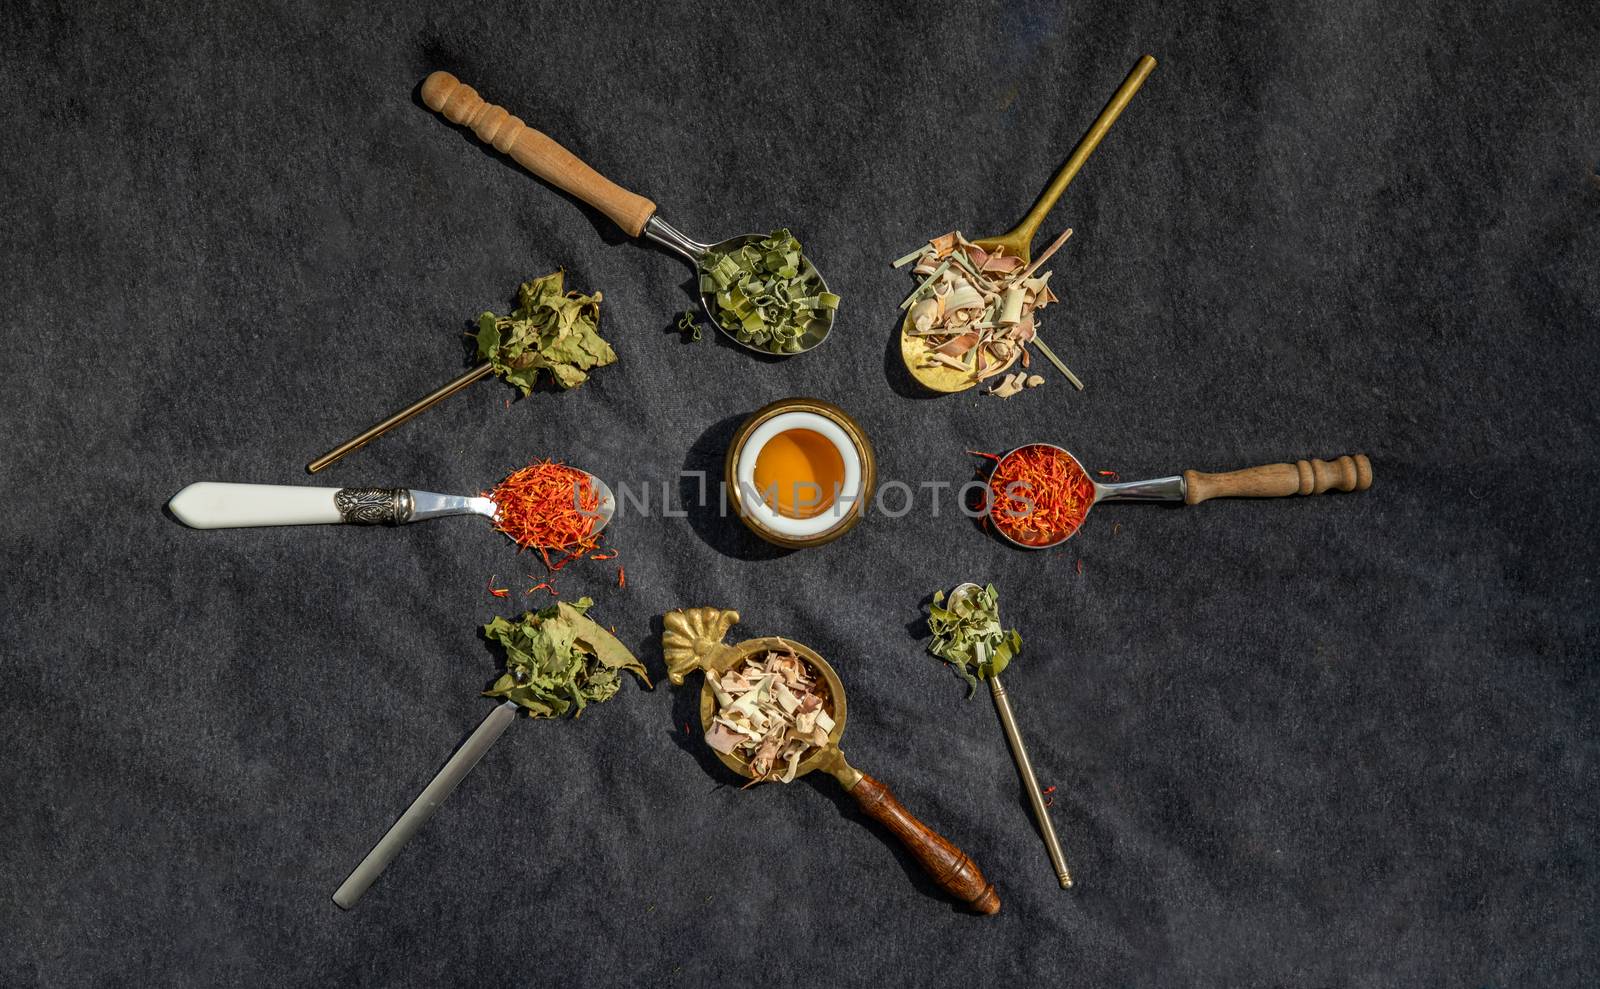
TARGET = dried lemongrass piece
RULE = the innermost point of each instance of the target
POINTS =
(975, 309)
(769, 713)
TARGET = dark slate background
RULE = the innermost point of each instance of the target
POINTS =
(1340, 740)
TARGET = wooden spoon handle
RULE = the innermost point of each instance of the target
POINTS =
(494, 126)
(1304, 477)
(947, 864)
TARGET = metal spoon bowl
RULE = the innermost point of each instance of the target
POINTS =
(665, 234)
(1158, 489)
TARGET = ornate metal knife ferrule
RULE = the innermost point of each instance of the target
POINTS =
(374, 506)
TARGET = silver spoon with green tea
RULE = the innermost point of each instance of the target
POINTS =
(760, 291)
(1039, 495)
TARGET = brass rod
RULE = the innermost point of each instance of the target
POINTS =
(421, 404)
(1097, 131)
(1008, 722)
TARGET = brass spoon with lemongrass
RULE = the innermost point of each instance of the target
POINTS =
(759, 290)
(987, 336)
(1040, 494)
(692, 638)
(966, 630)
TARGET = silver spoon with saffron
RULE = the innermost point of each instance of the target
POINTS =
(219, 505)
(1047, 511)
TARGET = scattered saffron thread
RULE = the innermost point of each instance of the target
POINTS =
(499, 592)
(1080, 568)
(1109, 473)
(622, 577)
(1049, 795)
(543, 585)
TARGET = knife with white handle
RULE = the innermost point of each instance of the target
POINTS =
(218, 505)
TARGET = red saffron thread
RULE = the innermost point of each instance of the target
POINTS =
(499, 592)
(549, 506)
(1109, 473)
(622, 576)
(1040, 495)
(543, 585)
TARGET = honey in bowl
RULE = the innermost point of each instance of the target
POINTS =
(799, 473)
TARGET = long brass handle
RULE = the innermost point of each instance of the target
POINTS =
(1019, 753)
(427, 401)
(1029, 226)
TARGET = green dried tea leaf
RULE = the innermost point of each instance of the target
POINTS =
(765, 293)
(968, 636)
(551, 330)
(558, 658)
(689, 326)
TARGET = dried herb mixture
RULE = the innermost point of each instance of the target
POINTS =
(551, 330)
(558, 658)
(968, 636)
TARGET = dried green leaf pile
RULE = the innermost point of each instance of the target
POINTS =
(766, 293)
(550, 329)
(558, 657)
(968, 636)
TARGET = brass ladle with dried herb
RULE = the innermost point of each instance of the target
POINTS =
(968, 635)
(692, 639)
(556, 660)
(949, 347)
(761, 291)
(551, 331)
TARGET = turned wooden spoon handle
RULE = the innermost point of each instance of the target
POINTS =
(498, 128)
(1303, 477)
(947, 864)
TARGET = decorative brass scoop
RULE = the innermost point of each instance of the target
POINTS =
(1019, 241)
(693, 640)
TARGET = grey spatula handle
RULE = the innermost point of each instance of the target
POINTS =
(426, 803)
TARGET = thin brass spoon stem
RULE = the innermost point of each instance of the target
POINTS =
(426, 402)
(1020, 239)
(1019, 752)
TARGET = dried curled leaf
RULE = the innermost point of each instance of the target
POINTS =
(551, 330)
(558, 657)
(968, 636)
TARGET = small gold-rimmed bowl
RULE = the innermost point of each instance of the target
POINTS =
(832, 513)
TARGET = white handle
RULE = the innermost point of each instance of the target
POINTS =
(214, 505)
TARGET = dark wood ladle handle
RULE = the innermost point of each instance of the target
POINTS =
(948, 865)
